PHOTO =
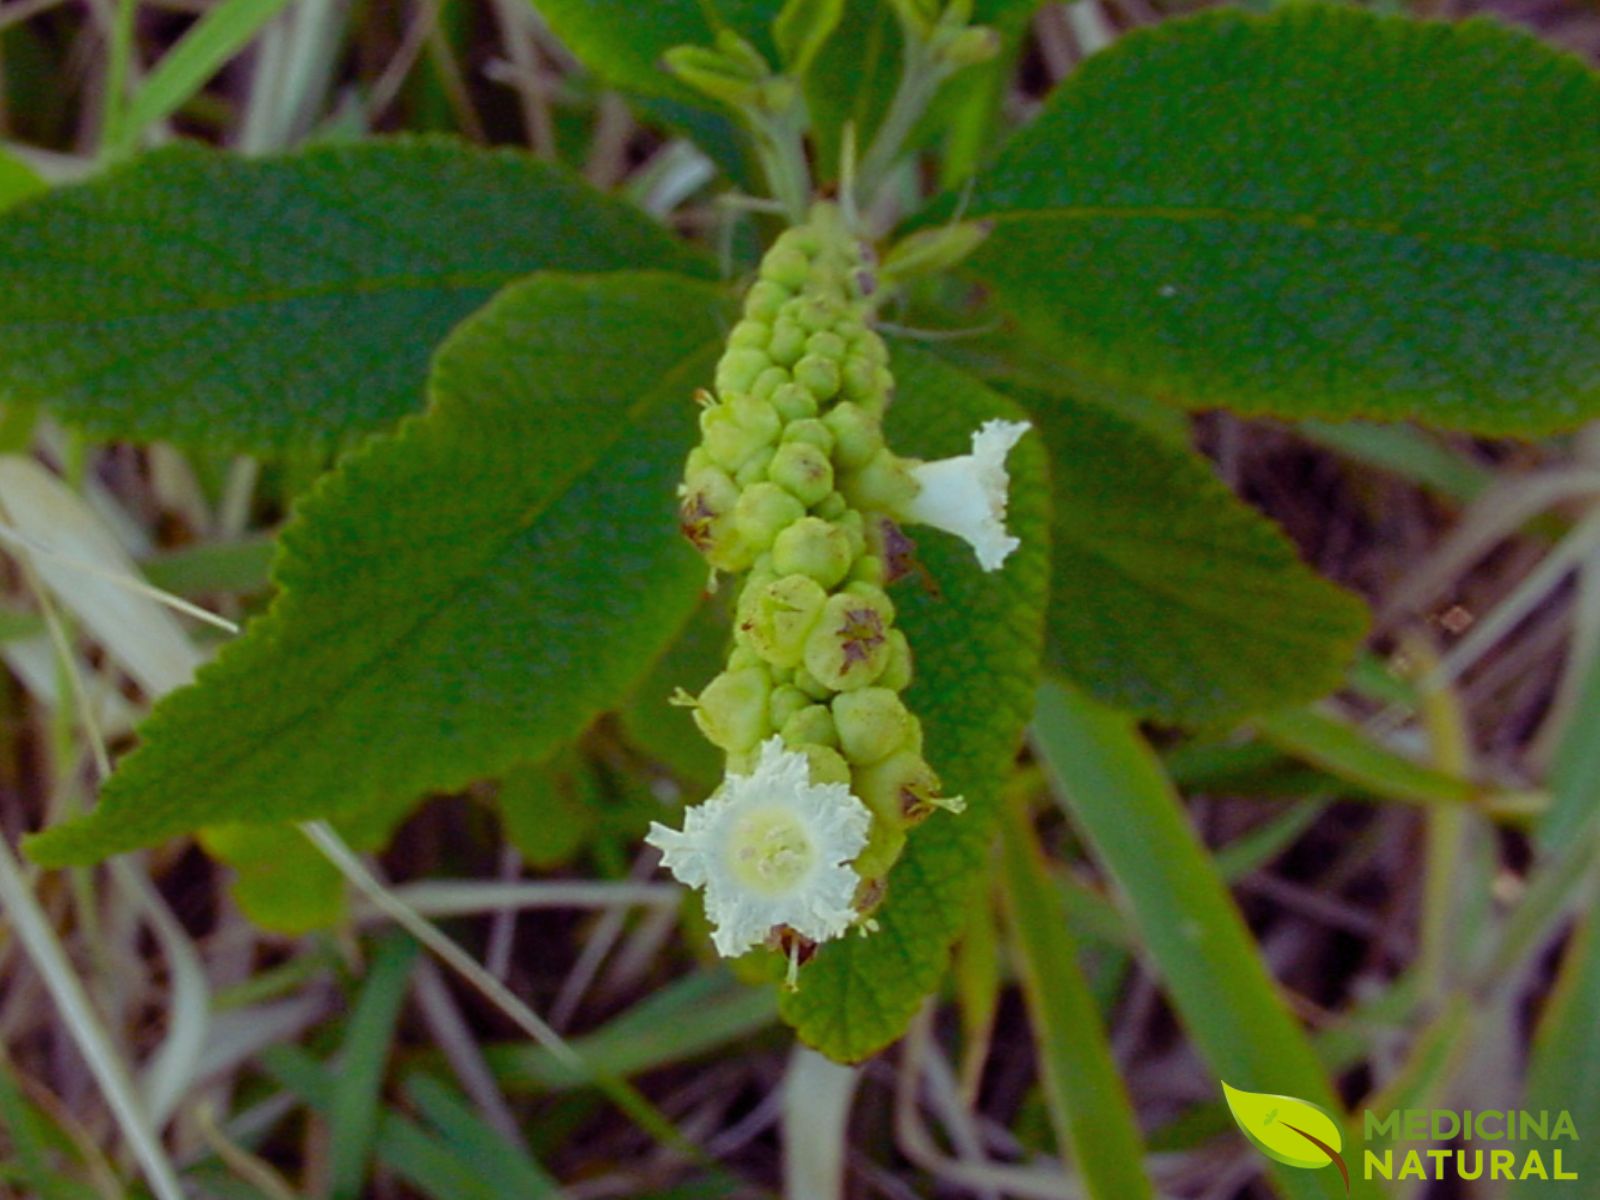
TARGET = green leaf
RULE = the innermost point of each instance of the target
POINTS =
(1316, 212)
(263, 303)
(1561, 1073)
(549, 809)
(1113, 788)
(460, 596)
(1088, 1100)
(355, 1110)
(622, 41)
(800, 29)
(665, 731)
(976, 643)
(1169, 596)
(18, 180)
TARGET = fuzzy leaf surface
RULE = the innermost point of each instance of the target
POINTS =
(264, 303)
(1318, 212)
(976, 646)
(459, 596)
(1170, 596)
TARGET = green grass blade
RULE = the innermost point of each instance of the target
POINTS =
(214, 39)
(353, 1115)
(1089, 1104)
(1113, 788)
(702, 1012)
(1561, 1074)
(509, 1173)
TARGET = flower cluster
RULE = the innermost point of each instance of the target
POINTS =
(793, 487)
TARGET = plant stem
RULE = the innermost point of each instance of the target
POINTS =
(919, 80)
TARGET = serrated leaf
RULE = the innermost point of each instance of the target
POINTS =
(549, 809)
(976, 646)
(459, 596)
(622, 41)
(665, 731)
(264, 303)
(1316, 212)
(1169, 596)
(1282, 1127)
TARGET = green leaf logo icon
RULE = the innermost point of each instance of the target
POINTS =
(1288, 1130)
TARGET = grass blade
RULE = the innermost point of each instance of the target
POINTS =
(215, 38)
(353, 1115)
(1113, 788)
(1089, 1104)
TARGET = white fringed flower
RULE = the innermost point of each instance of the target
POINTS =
(771, 848)
(967, 495)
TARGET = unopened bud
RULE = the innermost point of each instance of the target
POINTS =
(732, 711)
(763, 510)
(872, 722)
(779, 618)
(849, 647)
(804, 470)
(813, 547)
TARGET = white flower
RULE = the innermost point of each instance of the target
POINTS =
(771, 848)
(966, 495)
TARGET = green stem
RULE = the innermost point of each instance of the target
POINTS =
(119, 57)
(781, 145)
(919, 80)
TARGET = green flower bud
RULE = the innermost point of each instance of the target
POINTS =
(705, 514)
(742, 657)
(859, 378)
(794, 403)
(872, 724)
(804, 470)
(734, 431)
(800, 238)
(750, 333)
(897, 674)
(786, 265)
(810, 431)
(832, 507)
(812, 546)
(870, 346)
(902, 784)
(814, 314)
(732, 711)
(765, 299)
(868, 568)
(857, 434)
(849, 645)
(818, 375)
(763, 509)
(754, 469)
(885, 484)
(768, 382)
(812, 725)
(853, 528)
(886, 841)
(780, 618)
(811, 685)
(827, 765)
(738, 368)
(826, 344)
(787, 343)
(785, 702)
